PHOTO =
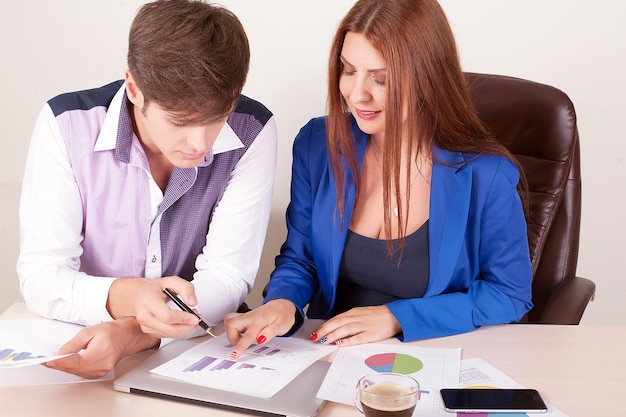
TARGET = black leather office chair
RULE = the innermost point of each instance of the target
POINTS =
(537, 123)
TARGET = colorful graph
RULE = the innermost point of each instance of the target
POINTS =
(394, 362)
(264, 350)
(221, 364)
(12, 355)
(257, 350)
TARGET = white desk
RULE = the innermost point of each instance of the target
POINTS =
(581, 370)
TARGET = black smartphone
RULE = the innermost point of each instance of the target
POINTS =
(495, 400)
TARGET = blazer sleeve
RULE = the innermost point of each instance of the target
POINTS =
(497, 289)
(295, 276)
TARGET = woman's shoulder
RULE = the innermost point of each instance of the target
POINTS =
(309, 146)
(316, 127)
(313, 128)
(490, 165)
(312, 136)
(481, 164)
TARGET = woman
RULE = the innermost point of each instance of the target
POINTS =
(405, 218)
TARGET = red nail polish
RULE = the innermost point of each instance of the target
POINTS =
(314, 336)
(233, 355)
(261, 339)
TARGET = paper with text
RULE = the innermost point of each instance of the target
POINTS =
(261, 371)
(24, 343)
(18, 350)
(476, 373)
(432, 368)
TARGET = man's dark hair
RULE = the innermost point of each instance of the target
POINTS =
(189, 57)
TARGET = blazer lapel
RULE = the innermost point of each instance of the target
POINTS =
(340, 231)
(449, 207)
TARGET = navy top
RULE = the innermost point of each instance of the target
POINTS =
(369, 277)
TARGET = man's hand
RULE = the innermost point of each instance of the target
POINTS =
(144, 299)
(100, 347)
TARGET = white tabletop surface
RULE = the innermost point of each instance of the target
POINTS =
(580, 370)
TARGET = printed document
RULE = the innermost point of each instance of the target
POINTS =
(476, 373)
(24, 343)
(260, 371)
(432, 368)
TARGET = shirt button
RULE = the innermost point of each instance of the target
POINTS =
(154, 258)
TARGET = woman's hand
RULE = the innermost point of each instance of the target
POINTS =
(358, 325)
(100, 347)
(145, 300)
(260, 325)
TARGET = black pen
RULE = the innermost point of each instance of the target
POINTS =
(186, 308)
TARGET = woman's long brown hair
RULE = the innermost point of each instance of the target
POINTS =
(424, 81)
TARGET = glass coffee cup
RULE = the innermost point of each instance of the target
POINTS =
(387, 394)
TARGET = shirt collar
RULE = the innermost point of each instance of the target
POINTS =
(115, 131)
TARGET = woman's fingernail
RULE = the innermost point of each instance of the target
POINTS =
(323, 339)
(314, 336)
(233, 355)
(338, 342)
(261, 339)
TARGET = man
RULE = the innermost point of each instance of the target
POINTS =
(167, 174)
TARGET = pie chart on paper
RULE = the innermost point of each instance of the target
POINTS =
(394, 362)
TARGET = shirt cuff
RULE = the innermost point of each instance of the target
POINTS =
(93, 295)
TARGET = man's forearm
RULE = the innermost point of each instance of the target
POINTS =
(122, 293)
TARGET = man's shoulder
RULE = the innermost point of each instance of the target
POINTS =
(85, 99)
(250, 107)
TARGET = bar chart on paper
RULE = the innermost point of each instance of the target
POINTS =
(17, 350)
(18, 356)
(13, 355)
(212, 364)
(261, 370)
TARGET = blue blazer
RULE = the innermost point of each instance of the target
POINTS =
(480, 272)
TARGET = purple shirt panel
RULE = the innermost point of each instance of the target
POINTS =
(115, 191)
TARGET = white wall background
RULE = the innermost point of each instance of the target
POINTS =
(579, 46)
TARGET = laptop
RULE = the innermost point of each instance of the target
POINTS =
(296, 399)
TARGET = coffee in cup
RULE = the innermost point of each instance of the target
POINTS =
(387, 394)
